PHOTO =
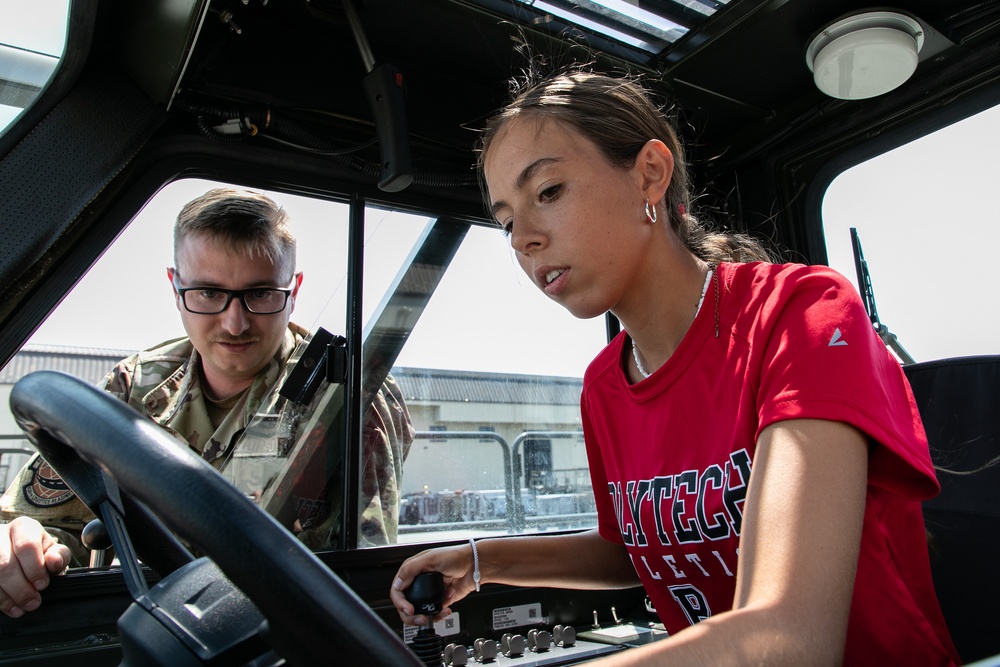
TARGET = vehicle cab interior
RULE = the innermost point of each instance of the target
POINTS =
(803, 121)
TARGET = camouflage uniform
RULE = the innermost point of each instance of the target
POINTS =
(385, 443)
(164, 384)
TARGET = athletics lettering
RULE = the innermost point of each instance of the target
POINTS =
(693, 558)
(686, 531)
(692, 602)
(615, 489)
(690, 507)
(719, 528)
(635, 493)
(672, 563)
(735, 493)
(707, 568)
(663, 490)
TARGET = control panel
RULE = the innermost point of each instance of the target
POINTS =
(518, 635)
(536, 648)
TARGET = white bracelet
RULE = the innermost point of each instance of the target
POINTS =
(475, 563)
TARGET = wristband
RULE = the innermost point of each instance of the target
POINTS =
(475, 563)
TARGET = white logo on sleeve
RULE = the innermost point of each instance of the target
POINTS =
(836, 339)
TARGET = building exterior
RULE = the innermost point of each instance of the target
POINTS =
(88, 364)
(475, 431)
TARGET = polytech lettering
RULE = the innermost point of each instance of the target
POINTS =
(679, 502)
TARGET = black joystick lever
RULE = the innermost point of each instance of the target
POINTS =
(426, 594)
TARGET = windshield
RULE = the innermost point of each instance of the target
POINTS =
(469, 418)
(32, 39)
(455, 439)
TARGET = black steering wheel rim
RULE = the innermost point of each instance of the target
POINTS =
(310, 611)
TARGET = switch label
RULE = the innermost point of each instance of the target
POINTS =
(446, 626)
(517, 616)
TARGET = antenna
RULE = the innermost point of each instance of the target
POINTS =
(868, 298)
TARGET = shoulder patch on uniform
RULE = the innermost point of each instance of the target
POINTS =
(46, 488)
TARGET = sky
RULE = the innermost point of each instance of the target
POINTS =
(929, 229)
(924, 214)
(41, 30)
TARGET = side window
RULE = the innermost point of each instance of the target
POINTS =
(130, 278)
(928, 226)
(491, 373)
(125, 303)
(489, 369)
(32, 38)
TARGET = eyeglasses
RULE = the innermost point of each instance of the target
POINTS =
(213, 300)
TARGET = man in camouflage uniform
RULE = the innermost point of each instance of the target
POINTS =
(229, 246)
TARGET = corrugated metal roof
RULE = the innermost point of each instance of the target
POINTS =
(418, 384)
(87, 363)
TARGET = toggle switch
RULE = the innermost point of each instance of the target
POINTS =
(512, 645)
(564, 635)
(456, 655)
(484, 650)
(539, 641)
(614, 616)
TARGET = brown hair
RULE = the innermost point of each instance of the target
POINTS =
(247, 221)
(619, 117)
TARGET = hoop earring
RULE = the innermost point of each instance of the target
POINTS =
(651, 212)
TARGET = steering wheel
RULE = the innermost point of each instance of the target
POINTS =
(312, 615)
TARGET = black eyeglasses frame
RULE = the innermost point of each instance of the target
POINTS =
(234, 294)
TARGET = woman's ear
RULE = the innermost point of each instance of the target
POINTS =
(654, 168)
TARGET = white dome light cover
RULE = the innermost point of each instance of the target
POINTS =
(865, 55)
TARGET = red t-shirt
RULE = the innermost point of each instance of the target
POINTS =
(670, 456)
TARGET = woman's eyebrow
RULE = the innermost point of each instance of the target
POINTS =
(524, 177)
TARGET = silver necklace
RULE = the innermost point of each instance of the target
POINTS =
(704, 291)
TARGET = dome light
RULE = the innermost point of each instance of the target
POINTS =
(865, 55)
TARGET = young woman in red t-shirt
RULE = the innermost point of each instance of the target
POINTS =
(757, 457)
